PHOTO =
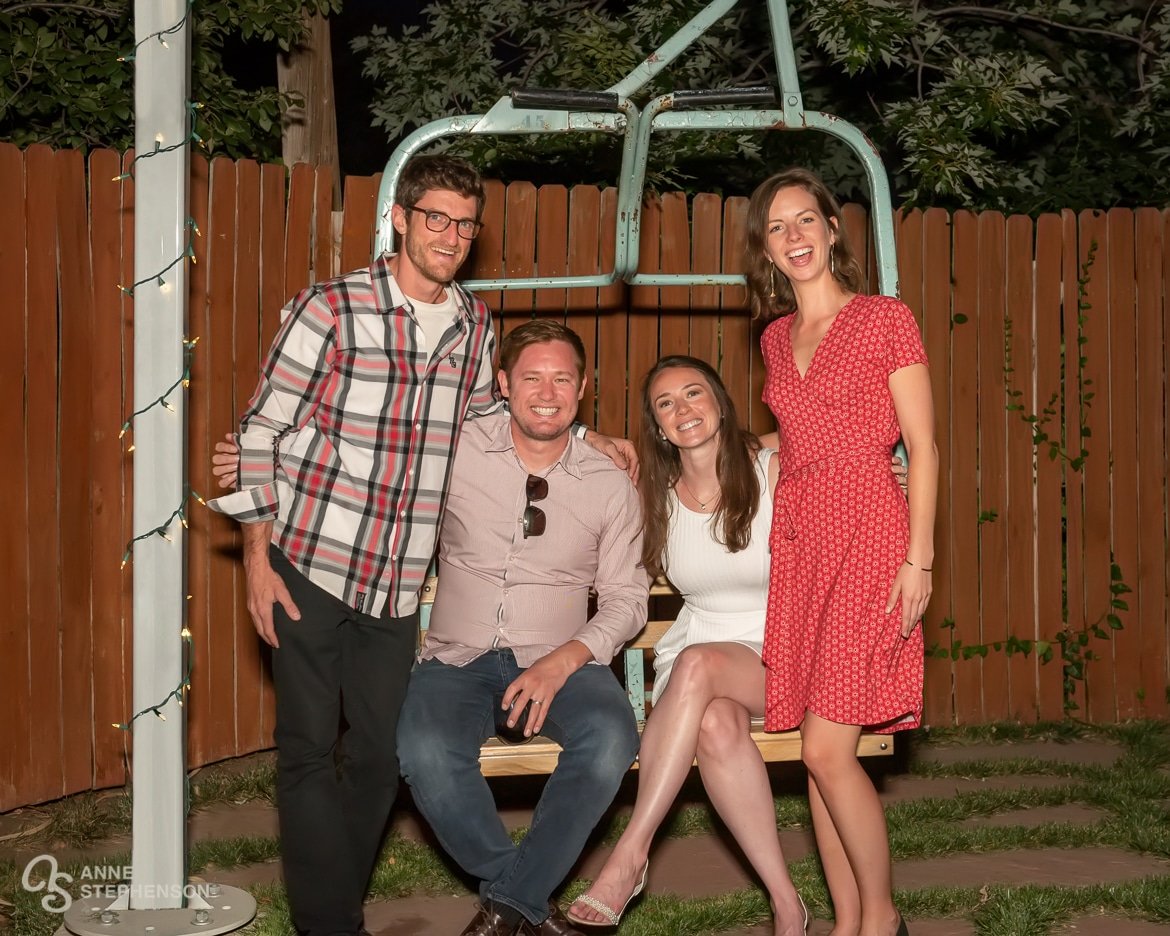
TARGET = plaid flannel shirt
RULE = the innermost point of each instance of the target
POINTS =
(348, 441)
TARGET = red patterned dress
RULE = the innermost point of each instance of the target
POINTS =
(840, 526)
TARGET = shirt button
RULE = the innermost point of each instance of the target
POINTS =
(418, 425)
(410, 471)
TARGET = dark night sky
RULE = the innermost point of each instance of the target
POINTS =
(363, 149)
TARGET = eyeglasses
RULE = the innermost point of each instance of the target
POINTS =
(536, 489)
(438, 222)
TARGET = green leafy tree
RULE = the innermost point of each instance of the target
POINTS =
(1024, 105)
(61, 82)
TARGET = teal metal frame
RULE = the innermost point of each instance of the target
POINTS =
(613, 111)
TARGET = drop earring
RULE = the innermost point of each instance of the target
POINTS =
(771, 280)
(833, 259)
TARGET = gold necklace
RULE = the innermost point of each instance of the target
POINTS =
(702, 503)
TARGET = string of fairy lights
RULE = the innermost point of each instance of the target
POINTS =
(183, 381)
(160, 35)
(177, 693)
(157, 278)
(192, 137)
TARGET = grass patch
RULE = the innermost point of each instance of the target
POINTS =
(660, 915)
(1034, 911)
(80, 820)
(232, 853)
(976, 803)
(791, 813)
(1064, 732)
(1147, 736)
(21, 911)
(406, 867)
(938, 840)
(272, 913)
(25, 913)
(221, 785)
(1009, 767)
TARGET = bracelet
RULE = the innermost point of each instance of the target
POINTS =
(920, 569)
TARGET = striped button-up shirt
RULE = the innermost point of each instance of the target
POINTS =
(347, 443)
(500, 590)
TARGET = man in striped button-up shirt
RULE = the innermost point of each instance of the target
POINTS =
(362, 397)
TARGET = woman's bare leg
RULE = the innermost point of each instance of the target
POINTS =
(852, 806)
(838, 874)
(701, 674)
(737, 783)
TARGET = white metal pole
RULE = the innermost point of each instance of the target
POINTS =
(162, 69)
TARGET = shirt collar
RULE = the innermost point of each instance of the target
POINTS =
(570, 460)
(391, 298)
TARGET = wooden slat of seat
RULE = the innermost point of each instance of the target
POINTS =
(649, 636)
(539, 756)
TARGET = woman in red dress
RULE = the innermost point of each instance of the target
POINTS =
(851, 560)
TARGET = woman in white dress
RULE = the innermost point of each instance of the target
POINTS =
(706, 489)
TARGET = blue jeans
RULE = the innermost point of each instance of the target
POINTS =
(450, 711)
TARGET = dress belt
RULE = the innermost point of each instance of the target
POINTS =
(856, 457)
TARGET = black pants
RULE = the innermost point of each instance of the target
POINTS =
(334, 660)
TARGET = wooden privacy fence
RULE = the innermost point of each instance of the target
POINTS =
(1046, 337)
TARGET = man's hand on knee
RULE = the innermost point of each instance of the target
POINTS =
(541, 682)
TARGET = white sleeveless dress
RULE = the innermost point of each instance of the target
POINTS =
(725, 594)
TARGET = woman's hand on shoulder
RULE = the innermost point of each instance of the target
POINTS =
(622, 452)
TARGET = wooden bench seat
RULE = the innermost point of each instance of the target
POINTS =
(539, 756)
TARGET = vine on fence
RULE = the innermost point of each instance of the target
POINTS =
(1039, 422)
(1074, 645)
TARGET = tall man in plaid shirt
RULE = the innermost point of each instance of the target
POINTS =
(364, 392)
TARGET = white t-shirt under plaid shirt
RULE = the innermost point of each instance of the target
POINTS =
(364, 419)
